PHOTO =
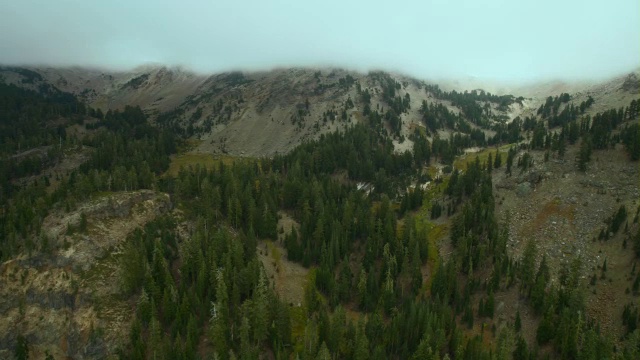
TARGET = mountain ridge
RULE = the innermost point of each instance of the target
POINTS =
(259, 113)
(86, 193)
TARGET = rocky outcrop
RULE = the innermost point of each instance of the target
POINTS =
(63, 301)
(631, 84)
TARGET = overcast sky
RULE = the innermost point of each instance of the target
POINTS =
(495, 39)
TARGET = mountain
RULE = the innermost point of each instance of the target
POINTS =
(263, 113)
(316, 213)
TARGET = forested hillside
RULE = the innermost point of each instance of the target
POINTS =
(409, 250)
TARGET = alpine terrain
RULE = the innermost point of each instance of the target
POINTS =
(316, 213)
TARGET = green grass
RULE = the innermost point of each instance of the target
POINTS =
(190, 159)
(188, 145)
(299, 316)
(186, 159)
(432, 171)
(435, 232)
(463, 161)
(422, 130)
(275, 253)
(298, 324)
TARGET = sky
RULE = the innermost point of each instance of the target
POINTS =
(454, 39)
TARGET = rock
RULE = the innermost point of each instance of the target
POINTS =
(506, 184)
(523, 189)
(631, 84)
(52, 299)
(534, 177)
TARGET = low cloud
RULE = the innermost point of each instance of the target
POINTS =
(499, 40)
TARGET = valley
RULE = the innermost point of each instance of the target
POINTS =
(316, 214)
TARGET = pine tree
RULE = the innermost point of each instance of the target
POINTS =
(219, 319)
(546, 331)
(155, 339)
(144, 308)
(527, 265)
(246, 347)
(562, 148)
(510, 157)
(584, 156)
(323, 353)
(498, 160)
(132, 268)
(604, 269)
(135, 338)
(362, 289)
(538, 291)
(521, 351)
(489, 306)
(21, 351)
(505, 344)
(490, 163)
(260, 314)
(424, 350)
(311, 297)
(83, 223)
(311, 339)
(361, 344)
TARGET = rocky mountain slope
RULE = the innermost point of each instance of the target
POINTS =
(65, 300)
(263, 113)
(66, 297)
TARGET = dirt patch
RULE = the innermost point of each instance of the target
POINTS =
(550, 215)
(288, 278)
(508, 303)
(190, 159)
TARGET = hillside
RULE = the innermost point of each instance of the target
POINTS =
(257, 114)
(316, 213)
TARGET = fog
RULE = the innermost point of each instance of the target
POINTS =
(501, 40)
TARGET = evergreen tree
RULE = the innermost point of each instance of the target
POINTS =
(584, 156)
(539, 288)
(527, 265)
(510, 156)
(21, 351)
(498, 160)
(219, 319)
(261, 311)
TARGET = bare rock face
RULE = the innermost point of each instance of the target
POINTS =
(65, 300)
(523, 189)
(563, 210)
(535, 177)
(631, 84)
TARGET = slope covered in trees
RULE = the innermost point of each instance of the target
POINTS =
(379, 286)
(370, 258)
(126, 153)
